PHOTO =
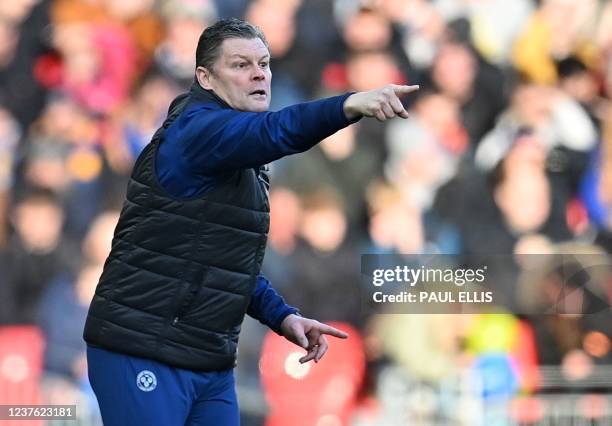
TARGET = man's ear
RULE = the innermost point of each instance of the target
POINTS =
(203, 76)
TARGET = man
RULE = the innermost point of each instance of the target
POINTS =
(184, 267)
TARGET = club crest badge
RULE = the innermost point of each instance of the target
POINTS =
(146, 381)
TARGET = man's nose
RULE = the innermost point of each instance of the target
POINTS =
(259, 74)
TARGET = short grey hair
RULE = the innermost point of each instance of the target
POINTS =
(209, 44)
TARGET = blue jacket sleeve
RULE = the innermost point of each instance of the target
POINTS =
(267, 306)
(213, 141)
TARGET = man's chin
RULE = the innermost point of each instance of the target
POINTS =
(258, 106)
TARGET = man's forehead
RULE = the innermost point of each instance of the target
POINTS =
(244, 47)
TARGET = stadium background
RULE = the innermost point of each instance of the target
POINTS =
(508, 151)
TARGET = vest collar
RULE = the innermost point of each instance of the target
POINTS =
(206, 96)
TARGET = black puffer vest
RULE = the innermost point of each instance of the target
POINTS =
(178, 280)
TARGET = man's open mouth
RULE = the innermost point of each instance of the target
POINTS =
(258, 92)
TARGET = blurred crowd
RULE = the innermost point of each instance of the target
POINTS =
(508, 151)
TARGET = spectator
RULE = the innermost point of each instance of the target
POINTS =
(36, 253)
(22, 46)
(325, 261)
(341, 163)
(424, 152)
(184, 23)
(556, 30)
(478, 88)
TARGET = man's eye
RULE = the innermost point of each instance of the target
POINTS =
(240, 65)
(264, 64)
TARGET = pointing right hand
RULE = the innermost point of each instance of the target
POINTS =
(383, 103)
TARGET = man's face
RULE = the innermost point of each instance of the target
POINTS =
(241, 76)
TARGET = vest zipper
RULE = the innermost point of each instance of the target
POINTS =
(188, 298)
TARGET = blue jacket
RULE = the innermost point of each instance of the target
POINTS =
(209, 139)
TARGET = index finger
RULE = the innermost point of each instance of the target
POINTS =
(400, 89)
(326, 329)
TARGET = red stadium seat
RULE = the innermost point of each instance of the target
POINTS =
(21, 360)
(312, 394)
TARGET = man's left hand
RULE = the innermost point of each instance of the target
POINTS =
(309, 334)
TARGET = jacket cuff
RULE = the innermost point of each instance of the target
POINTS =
(345, 120)
(281, 317)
